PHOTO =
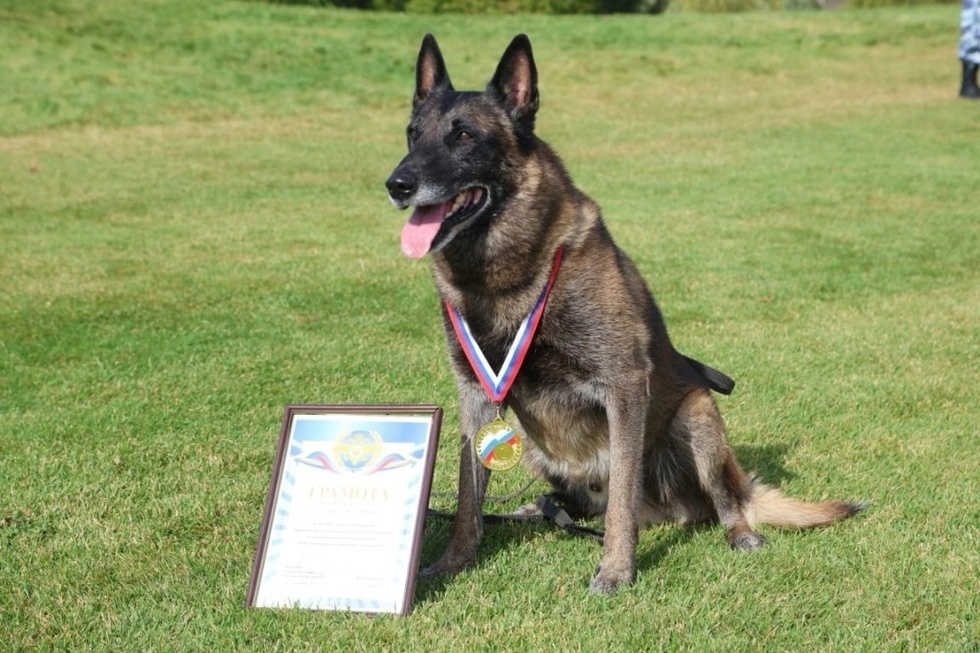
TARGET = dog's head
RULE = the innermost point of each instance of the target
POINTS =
(462, 146)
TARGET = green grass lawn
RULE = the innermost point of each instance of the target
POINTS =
(194, 233)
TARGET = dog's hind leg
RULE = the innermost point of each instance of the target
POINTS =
(718, 474)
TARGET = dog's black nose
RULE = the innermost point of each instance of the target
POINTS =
(401, 185)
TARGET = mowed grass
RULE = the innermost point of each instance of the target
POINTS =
(194, 233)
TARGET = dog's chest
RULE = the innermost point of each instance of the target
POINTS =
(570, 435)
(558, 404)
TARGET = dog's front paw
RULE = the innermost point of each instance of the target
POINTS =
(447, 565)
(606, 582)
(430, 571)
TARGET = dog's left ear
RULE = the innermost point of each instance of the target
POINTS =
(516, 82)
(430, 71)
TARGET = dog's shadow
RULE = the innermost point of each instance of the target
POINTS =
(764, 460)
(498, 537)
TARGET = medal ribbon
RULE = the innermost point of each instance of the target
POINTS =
(496, 384)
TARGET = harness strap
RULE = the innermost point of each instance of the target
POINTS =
(716, 379)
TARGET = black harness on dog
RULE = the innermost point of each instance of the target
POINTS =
(716, 379)
(548, 508)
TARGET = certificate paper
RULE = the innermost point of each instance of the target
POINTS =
(345, 509)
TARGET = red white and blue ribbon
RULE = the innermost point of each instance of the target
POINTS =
(497, 384)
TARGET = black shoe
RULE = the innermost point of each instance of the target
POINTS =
(969, 88)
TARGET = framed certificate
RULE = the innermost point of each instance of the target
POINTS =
(346, 505)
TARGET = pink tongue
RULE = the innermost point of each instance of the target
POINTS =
(421, 228)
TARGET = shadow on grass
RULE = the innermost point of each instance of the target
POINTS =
(765, 460)
(497, 537)
(649, 556)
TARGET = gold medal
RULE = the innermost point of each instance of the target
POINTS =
(498, 446)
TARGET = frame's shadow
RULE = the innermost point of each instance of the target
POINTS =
(765, 460)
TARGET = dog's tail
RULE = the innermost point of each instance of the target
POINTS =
(770, 506)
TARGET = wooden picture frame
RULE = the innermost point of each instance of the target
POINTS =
(346, 505)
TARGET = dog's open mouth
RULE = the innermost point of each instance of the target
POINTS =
(429, 226)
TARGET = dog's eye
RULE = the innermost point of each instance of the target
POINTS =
(413, 134)
(464, 136)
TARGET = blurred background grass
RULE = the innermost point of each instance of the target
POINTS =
(194, 233)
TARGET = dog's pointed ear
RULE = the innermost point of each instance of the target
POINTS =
(516, 81)
(430, 71)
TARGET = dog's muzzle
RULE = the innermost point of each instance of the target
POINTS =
(401, 186)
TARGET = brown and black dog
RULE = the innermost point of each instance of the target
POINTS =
(619, 422)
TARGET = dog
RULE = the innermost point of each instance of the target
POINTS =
(621, 424)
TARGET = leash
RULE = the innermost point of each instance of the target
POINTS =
(544, 508)
(557, 516)
(503, 499)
